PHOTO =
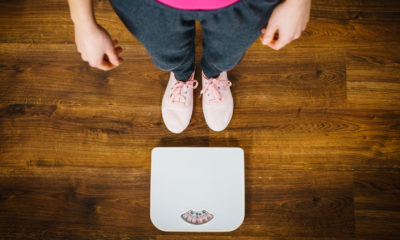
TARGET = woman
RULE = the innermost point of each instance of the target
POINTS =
(166, 28)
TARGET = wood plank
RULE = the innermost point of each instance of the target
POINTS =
(377, 206)
(305, 77)
(319, 79)
(357, 10)
(115, 203)
(105, 136)
(35, 22)
(72, 203)
(373, 77)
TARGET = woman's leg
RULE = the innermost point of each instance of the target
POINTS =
(166, 33)
(227, 34)
(230, 31)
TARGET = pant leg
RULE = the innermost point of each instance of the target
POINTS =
(167, 34)
(229, 32)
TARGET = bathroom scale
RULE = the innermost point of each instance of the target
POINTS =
(197, 189)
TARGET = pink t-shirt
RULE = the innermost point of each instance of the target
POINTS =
(198, 4)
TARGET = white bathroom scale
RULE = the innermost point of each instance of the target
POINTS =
(197, 189)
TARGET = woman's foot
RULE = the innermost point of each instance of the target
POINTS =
(177, 103)
(217, 101)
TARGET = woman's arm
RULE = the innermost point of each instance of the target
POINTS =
(286, 23)
(93, 42)
(82, 12)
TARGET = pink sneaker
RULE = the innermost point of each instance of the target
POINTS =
(177, 103)
(217, 101)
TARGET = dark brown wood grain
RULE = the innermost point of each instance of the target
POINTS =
(115, 201)
(319, 122)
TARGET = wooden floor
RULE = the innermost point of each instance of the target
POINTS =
(319, 122)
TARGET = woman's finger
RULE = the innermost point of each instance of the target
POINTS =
(113, 57)
(269, 34)
(280, 42)
(118, 50)
(105, 65)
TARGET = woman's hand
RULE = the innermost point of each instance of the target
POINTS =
(96, 47)
(286, 23)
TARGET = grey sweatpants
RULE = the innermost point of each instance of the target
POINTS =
(168, 34)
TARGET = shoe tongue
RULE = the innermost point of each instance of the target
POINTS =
(179, 99)
(180, 93)
(220, 90)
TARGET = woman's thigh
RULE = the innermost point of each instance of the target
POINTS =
(229, 32)
(167, 34)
